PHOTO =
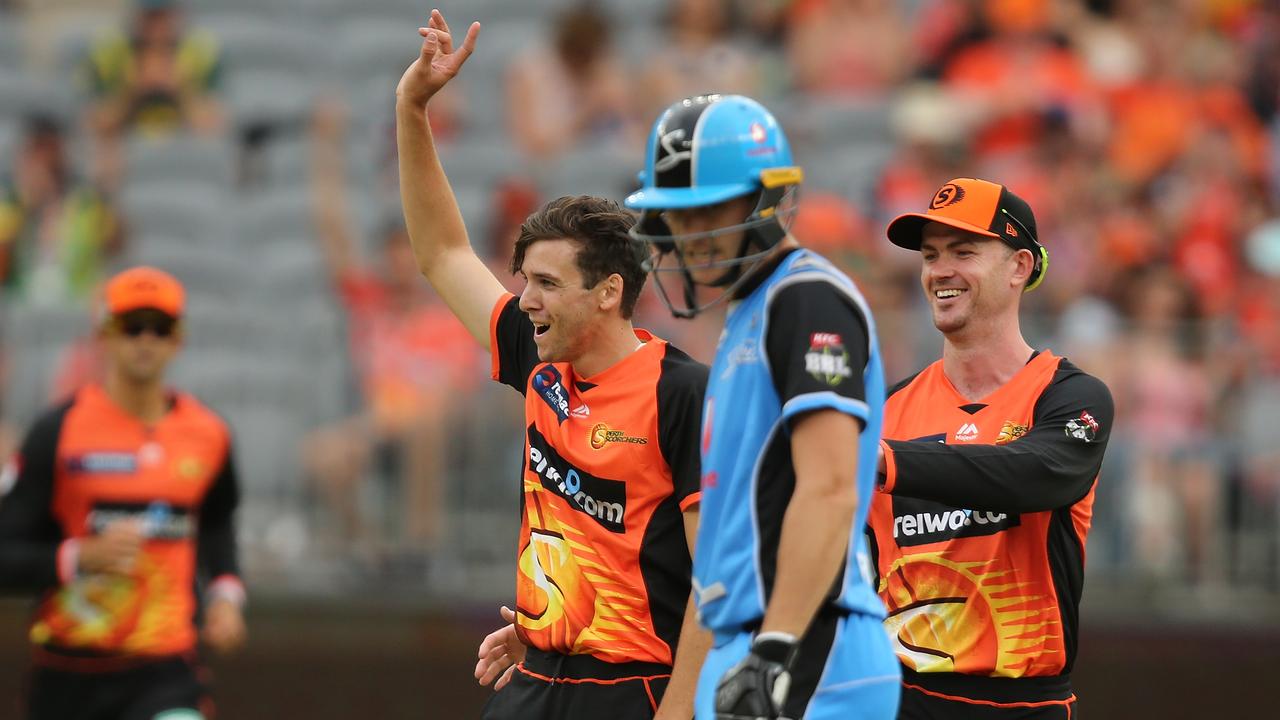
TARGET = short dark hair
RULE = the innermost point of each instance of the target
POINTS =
(600, 229)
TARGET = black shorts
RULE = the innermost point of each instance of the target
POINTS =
(947, 696)
(140, 691)
(550, 686)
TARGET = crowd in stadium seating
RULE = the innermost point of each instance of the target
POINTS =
(1145, 135)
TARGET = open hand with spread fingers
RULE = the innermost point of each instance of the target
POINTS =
(437, 63)
(500, 652)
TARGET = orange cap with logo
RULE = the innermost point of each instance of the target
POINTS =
(981, 207)
(145, 288)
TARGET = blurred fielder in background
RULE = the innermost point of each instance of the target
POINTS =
(118, 501)
(989, 464)
(610, 475)
(790, 425)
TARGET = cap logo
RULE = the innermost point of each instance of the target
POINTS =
(1009, 230)
(758, 132)
(948, 194)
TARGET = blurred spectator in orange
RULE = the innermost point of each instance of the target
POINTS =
(847, 47)
(574, 91)
(1168, 401)
(57, 232)
(1019, 78)
(157, 75)
(514, 199)
(1190, 87)
(415, 363)
(698, 55)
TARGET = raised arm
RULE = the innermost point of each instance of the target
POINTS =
(445, 256)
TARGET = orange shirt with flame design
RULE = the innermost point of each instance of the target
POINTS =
(990, 586)
(610, 464)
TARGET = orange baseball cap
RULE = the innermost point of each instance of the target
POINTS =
(145, 287)
(981, 207)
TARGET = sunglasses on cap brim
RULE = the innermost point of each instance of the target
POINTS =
(135, 324)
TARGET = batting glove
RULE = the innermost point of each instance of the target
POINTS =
(756, 688)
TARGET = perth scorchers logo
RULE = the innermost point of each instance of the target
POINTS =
(601, 435)
(948, 194)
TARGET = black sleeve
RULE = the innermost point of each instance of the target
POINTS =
(681, 389)
(515, 354)
(216, 543)
(29, 534)
(817, 343)
(1052, 466)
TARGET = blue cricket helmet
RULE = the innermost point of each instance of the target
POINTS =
(703, 151)
(707, 149)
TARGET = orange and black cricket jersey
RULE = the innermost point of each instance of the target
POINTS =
(611, 462)
(87, 464)
(978, 535)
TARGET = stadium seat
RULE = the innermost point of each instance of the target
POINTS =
(273, 212)
(179, 209)
(851, 170)
(10, 43)
(602, 170)
(635, 14)
(40, 334)
(269, 98)
(181, 158)
(827, 121)
(254, 42)
(22, 94)
(287, 160)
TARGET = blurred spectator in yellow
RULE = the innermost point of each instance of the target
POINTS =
(157, 75)
(571, 92)
(57, 233)
(415, 364)
(698, 55)
(847, 47)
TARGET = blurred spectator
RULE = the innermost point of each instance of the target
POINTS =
(155, 76)
(1168, 419)
(57, 233)
(1188, 89)
(573, 92)
(1020, 78)
(847, 47)
(415, 363)
(697, 55)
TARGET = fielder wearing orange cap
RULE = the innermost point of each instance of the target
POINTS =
(981, 207)
(987, 468)
(145, 287)
(121, 502)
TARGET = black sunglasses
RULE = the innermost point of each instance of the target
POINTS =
(134, 326)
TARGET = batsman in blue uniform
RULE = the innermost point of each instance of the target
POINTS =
(790, 425)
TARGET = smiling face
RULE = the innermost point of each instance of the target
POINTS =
(702, 253)
(566, 314)
(970, 278)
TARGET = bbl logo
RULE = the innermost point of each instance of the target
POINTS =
(827, 360)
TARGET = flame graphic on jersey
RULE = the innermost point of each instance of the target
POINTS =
(111, 612)
(569, 600)
(968, 617)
